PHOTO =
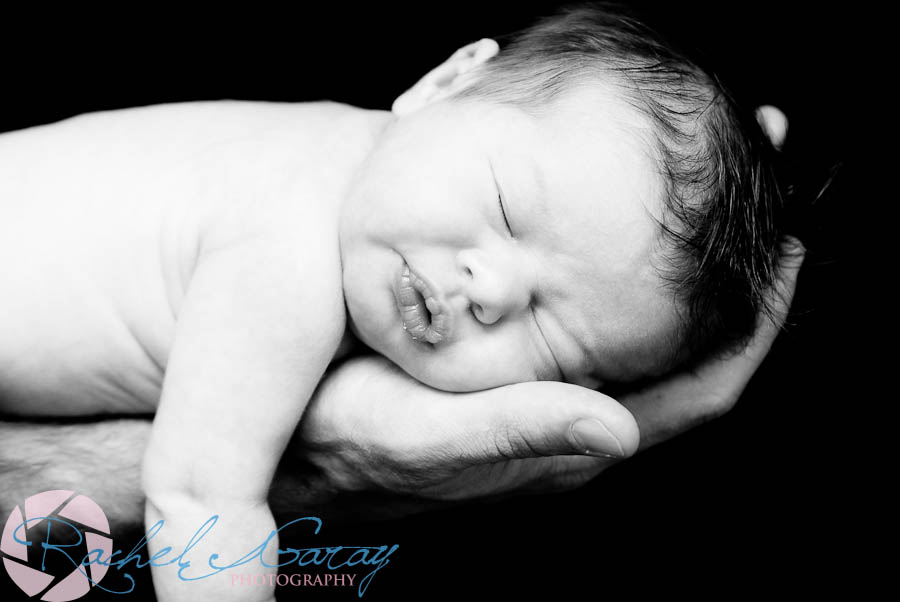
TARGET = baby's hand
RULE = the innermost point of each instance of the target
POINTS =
(219, 533)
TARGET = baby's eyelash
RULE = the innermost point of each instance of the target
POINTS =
(500, 201)
(503, 213)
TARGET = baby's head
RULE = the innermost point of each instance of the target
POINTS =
(586, 205)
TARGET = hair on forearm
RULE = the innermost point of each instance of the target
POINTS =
(101, 460)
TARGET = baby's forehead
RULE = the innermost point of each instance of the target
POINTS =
(597, 107)
(586, 170)
(590, 142)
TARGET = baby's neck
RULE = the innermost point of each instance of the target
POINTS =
(329, 142)
(359, 133)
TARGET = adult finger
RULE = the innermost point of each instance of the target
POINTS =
(528, 420)
(526, 475)
(681, 401)
(782, 295)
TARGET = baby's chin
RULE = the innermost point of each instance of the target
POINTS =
(447, 382)
(455, 377)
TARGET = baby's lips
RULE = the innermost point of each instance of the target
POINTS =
(410, 306)
(411, 291)
(407, 296)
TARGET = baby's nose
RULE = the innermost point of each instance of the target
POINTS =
(495, 285)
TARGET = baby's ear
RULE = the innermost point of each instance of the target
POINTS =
(774, 124)
(446, 78)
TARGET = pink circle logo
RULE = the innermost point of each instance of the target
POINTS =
(53, 547)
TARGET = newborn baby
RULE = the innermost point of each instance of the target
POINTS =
(585, 206)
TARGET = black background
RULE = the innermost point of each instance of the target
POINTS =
(759, 500)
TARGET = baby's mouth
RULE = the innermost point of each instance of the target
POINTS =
(422, 315)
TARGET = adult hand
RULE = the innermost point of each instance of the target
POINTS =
(371, 429)
(711, 389)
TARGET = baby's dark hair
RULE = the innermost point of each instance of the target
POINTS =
(720, 233)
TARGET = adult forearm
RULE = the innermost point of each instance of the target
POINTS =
(98, 459)
(102, 460)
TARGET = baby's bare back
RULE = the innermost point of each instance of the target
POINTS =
(101, 218)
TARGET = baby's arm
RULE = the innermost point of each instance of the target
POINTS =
(255, 334)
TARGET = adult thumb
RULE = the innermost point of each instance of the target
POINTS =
(538, 419)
